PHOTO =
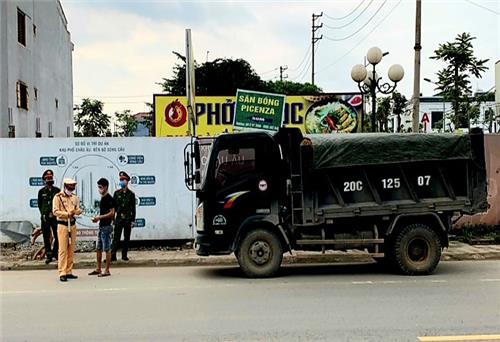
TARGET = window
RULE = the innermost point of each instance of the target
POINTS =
(57, 104)
(233, 164)
(35, 92)
(21, 27)
(68, 131)
(34, 30)
(38, 133)
(436, 119)
(22, 95)
(50, 130)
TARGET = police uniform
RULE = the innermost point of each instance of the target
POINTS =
(125, 217)
(48, 220)
(62, 206)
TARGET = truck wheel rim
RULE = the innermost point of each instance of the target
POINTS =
(260, 252)
(418, 249)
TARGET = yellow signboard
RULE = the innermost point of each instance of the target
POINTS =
(214, 115)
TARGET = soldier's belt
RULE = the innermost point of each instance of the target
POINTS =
(65, 223)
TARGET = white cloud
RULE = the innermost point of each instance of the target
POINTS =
(124, 49)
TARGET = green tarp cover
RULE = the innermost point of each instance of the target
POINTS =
(336, 150)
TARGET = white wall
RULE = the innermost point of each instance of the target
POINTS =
(84, 160)
(44, 63)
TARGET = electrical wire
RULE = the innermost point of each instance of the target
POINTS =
(303, 59)
(304, 70)
(352, 21)
(267, 72)
(363, 39)
(483, 7)
(347, 15)
(361, 28)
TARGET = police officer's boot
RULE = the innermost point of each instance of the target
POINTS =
(124, 256)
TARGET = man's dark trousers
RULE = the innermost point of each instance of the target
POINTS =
(49, 225)
(120, 226)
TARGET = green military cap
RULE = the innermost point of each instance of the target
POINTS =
(47, 173)
(124, 175)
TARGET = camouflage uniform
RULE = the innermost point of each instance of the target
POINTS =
(125, 217)
(47, 218)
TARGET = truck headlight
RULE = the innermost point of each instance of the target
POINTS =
(199, 218)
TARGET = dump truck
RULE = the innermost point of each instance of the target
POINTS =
(260, 195)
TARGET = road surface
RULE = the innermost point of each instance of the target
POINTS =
(305, 303)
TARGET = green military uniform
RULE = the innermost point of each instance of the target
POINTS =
(48, 220)
(125, 218)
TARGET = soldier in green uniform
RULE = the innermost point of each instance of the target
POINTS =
(125, 216)
(49, 222)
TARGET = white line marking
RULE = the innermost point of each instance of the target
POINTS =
(362, 282)
(489, 279)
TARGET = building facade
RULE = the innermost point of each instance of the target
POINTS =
(36, 73)
(435, 116)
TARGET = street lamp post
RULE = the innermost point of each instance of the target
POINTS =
(370, 83)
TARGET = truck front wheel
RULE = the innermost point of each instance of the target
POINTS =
(260, 254)
(416, 250)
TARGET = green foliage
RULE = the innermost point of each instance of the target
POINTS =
(383, 112)
(454, 80)
(90, 121)
(291, 88)
(126, 124)
(148, 122)
(224, 76)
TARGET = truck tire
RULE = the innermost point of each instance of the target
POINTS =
(260, 254)
(416, 250)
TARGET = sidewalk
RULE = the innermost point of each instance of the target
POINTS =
(154, 258)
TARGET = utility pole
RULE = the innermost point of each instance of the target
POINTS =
(314, 40)
(416, 74)
(282, 70)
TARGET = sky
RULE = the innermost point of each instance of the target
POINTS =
(123, 48)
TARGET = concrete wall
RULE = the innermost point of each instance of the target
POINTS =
(44, 63)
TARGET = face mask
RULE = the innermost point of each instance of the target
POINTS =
(68, 192)
(49, 182)
(122, 184)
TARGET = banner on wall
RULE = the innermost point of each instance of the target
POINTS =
(214, 115)
(154, 165)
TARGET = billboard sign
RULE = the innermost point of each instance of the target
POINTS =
(214, 115)
(257, 110)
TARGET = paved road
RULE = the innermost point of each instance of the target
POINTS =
(325, 303)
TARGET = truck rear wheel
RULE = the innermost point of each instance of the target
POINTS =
(260, 254)
(416, 250)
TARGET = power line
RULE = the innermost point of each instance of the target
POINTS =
(362, 27)
(352, 21)
(303, 59)
(364, 38)
(483, 7)
(267, 72)
(304, 70)
(345, 16)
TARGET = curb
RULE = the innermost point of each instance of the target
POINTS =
(231, 261)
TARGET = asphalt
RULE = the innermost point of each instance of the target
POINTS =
(153, 258)
(214, 303)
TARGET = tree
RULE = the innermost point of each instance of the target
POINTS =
(127, 124)
(399, 103)
(90, 121)
(383, 112)
(224, 76)
(454, 80)
(291, 88)
(218, 77)
(148, 121)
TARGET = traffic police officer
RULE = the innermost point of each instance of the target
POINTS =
(48, 220)
(125, 216)
(66, 206)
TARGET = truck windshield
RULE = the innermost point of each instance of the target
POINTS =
(233, 164)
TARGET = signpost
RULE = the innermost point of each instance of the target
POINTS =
(257, 110)
(425, 120)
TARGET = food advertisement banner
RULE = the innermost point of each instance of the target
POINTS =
(214, 115)
(259, 110)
